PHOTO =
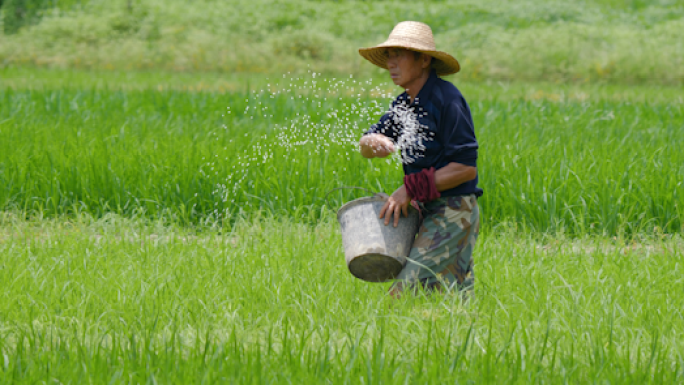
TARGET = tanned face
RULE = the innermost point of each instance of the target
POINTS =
(406, 67)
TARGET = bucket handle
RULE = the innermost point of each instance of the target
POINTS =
(346, 188)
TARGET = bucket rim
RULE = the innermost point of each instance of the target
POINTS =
(358, 201)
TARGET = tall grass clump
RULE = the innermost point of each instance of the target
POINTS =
(583, 41)
(547, 162)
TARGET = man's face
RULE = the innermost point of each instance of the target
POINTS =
(403, 66)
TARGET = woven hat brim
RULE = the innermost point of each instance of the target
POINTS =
(444, 64)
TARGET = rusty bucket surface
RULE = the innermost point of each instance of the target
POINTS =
(375, 252)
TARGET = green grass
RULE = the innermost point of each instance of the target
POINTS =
(553, 158)
(126, 300)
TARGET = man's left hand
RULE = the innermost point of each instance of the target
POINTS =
(397, 203)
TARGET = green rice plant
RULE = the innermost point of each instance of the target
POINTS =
(120, 299)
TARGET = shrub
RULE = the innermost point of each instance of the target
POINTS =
(18, 13)
(303, 44)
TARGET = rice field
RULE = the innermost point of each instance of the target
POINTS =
(552, 160)
(124, 300)
(174, 229)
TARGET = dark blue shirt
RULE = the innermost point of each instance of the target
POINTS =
(446, 132)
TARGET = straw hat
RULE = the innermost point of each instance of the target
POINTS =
(414, 36)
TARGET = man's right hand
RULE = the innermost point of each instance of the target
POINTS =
(375, 145)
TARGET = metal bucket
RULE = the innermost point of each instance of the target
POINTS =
(375, 252)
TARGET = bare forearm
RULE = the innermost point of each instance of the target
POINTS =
(454, 174)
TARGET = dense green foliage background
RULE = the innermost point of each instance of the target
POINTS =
(617, 41)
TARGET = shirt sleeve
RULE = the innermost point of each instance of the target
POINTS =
(460, 144)
(385, 126)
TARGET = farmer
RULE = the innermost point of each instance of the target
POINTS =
(439, 160)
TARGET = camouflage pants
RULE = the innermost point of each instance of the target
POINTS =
(441, 257)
